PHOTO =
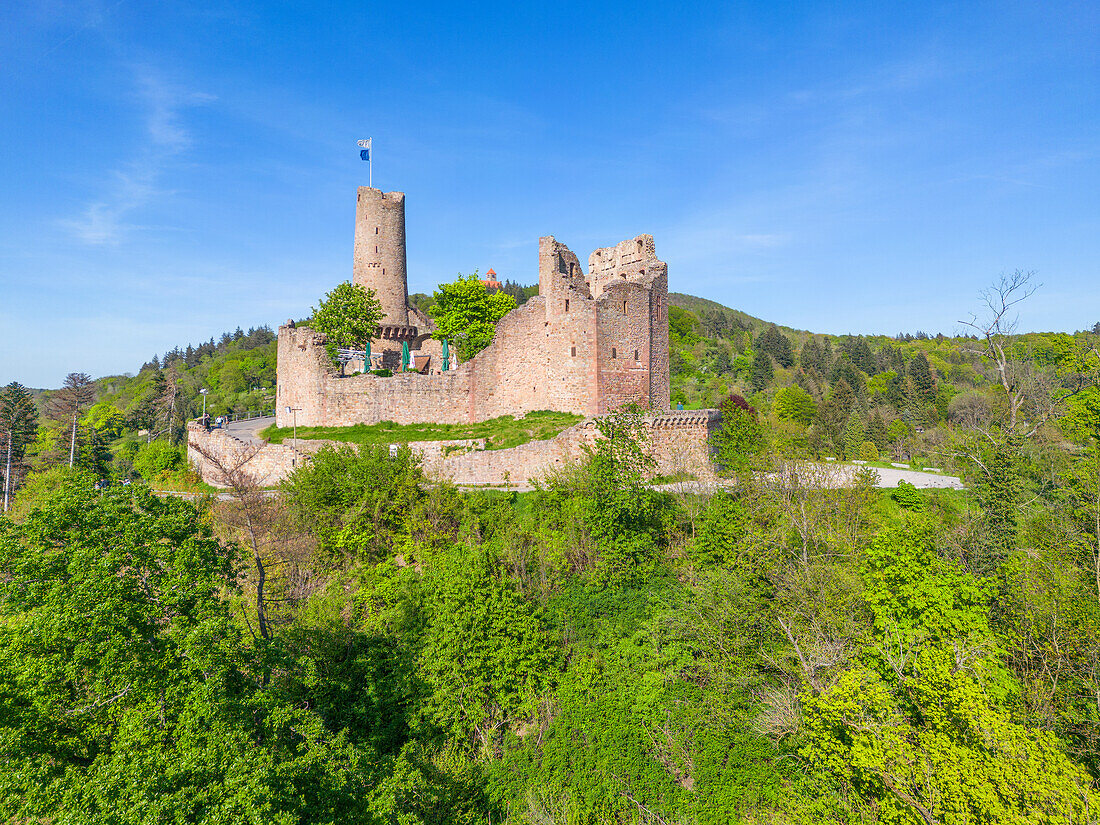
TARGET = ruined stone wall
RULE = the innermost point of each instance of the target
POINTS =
(586, 344)
(215, 451)
(678, 441)
(379, 256)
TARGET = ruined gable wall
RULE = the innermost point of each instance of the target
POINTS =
(660, 388)
(623, 352)
(631, 285)
(626, 260)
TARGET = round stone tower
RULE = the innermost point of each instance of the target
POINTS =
(380, 251)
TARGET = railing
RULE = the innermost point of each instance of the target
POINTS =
(249, 415)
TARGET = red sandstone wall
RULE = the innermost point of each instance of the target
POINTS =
(267, 465)
(678, 442)
(570, 349)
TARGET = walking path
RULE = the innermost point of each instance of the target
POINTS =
(248, 430)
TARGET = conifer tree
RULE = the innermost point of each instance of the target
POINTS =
(18, 427)
(762, 371)
(924, 382)
(854, 434)
(876, 431)
(776, 344)
(810, 356)
(833, 414)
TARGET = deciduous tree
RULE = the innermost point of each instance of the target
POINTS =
(347, 317)
(466, 314)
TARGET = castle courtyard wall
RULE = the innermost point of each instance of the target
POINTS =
(213, 452)
(678, 441)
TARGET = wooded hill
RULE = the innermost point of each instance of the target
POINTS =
(847, 396)
(372, 647)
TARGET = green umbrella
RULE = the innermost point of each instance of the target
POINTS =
(404, 355)
(366, 357)
(446, 356)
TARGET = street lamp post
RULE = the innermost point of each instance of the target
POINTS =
(294, 415)
(204, 392)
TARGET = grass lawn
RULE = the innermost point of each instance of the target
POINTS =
(499, 433)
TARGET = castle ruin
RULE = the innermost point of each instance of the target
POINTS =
(588, 343)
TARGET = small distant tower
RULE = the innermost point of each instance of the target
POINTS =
(380, 262)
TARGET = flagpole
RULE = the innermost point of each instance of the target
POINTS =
(366, 152)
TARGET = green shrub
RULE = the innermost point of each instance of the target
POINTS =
(382, 373)
(156, 457)
(868, 451)
(908, 497)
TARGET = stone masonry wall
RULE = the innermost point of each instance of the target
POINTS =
(379, 255)
(267, 464)
(567, 349)
(678, 442)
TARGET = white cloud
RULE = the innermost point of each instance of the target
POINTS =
(135, 183)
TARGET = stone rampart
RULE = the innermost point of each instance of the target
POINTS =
(678, 441)
(213, 453)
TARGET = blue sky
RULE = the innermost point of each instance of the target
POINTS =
(170, 171)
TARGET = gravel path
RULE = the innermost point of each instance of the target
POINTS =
(834, 475)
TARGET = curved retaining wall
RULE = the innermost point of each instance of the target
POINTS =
(678, 442)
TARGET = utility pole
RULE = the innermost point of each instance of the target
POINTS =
(7, 473)
(72, 444)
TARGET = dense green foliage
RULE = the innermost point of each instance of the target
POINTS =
(367, 646)
(466, 313)
(371, 648)
(347, 317)
(828, 395)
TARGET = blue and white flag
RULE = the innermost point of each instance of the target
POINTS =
(364, 148)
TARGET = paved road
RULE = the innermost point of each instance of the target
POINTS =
(889, 477)
(836, 475)
(247, 430)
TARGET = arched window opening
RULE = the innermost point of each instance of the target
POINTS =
(614, 354)
(566, 304)
(636, 355)
(573, 351)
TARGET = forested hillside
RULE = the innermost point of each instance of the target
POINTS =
(133, 425)
(856, 396)
(370, 646)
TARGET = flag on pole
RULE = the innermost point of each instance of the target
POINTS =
(364, 149)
